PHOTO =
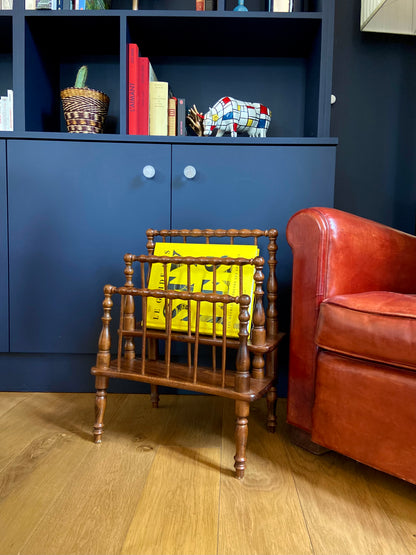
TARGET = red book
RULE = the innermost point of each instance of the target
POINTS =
(143, 96)
(200, 5)
(132, 88)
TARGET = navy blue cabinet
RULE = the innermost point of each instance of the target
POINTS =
(75, 209)
(4, 289)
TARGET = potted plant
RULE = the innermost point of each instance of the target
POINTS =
(85, 109)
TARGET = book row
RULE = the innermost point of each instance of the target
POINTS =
(271, 5)
(6, 112)
(200, 5)
(66, 4)
(152, 107)
(205, 5)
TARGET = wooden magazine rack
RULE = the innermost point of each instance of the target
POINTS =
(253, 373)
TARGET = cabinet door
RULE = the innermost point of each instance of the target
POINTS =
(4, 287)
(75, 209)
(252, 186)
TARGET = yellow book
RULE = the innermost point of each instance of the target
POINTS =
(201, 280)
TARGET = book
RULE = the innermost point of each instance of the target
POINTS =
(158, 107)
(181, 117)
(172, 116)
(210, 5)
(146, 75)
(10, 108)
(30, 4)
(281, 5)
(6, 112)
(200, 5)
(2, 113)
(132, 88)
(143, 96)
(46, 4)
(201, 280)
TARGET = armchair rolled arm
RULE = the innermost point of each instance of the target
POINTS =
(336, 253)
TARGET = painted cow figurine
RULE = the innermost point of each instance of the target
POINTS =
(229, 114)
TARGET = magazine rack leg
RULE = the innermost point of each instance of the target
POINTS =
(242, 410)
(103, 361)
(271, 406)
(101, 385)
(154, 396)
(153, 355)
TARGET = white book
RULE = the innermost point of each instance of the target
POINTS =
(6, 4)
(282, 5)
(3, 100)
(10, 97)
(30, 4)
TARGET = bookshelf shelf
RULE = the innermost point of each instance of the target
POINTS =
(278, 59)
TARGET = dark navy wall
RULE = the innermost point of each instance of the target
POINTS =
(374, 80)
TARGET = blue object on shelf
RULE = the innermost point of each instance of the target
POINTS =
(240, 7)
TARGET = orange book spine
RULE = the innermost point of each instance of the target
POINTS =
(172, 116)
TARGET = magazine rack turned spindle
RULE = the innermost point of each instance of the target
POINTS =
(253, 374)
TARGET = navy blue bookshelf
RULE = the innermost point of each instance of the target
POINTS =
(73, 204)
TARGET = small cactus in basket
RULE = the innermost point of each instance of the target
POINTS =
(85, 109)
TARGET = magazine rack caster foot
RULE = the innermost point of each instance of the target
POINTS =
(101, 384)
(271, 407)
(154, 396)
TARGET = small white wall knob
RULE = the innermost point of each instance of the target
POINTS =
(333, 99)
(189, 172)
(149, 172)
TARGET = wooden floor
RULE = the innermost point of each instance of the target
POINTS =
(162, 482)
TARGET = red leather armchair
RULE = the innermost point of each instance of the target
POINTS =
(352, 372)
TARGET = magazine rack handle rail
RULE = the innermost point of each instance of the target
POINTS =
(231, 234)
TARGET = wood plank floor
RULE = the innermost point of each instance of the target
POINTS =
(162, 483)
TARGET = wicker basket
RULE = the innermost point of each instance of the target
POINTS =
(85, 109)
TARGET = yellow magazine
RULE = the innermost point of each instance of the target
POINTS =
(201, 279)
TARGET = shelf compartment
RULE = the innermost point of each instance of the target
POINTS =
(76, 40)
(261, 34)
(6, 56)
(281, 70)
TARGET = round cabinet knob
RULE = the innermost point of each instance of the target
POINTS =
(149, 172)
(189, 172)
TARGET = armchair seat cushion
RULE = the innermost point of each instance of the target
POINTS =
(379, 326)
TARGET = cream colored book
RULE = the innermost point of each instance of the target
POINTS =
(158, 108)
(282, 5)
